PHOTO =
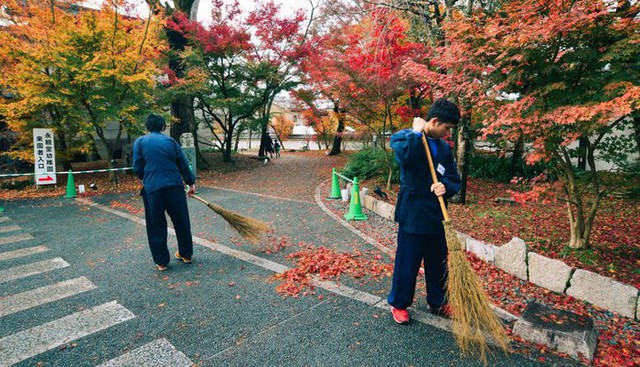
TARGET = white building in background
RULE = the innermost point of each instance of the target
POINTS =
(292, 110)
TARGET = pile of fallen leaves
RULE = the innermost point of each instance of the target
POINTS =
(326, 264)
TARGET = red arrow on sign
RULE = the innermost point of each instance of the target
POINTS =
(48, 178)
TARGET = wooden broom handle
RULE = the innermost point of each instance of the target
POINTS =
(445, 214)
(199, 199)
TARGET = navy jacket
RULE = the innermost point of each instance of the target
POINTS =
(417, 209)
(159, 161)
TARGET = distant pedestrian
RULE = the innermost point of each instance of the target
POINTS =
(160, 163)
(420, 232)
(276, 146)
(268, 147)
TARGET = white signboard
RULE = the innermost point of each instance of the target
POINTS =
(45, 157)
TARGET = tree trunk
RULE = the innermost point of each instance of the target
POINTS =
(182, 106)
(577, 227)
(517, 153)
(235, 148)
(462, 155)
(262, 152)
(201, 162)
(582, 151)
(337, 140)
(182, 111)
(226, 145)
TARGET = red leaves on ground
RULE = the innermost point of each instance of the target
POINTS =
(126, 207)
(327, 265)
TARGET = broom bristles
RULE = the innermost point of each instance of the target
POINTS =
(249, 228)
(473, 320)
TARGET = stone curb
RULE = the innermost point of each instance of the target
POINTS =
(551, 274)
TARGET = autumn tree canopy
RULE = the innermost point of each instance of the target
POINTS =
(236, 65)
(76, 70)
(357, 67)
(553, 73)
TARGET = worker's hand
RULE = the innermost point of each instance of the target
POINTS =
(419, 124)
(192, 190)
(438, 189)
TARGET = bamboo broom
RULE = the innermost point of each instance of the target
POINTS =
(249, 228)
(472, 317)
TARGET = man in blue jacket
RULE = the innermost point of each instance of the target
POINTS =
(160, 163)
(421, 233)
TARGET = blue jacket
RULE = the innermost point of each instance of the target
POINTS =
(417, 209)
(159, 161)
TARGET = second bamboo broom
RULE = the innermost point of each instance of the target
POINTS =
(249, 228)
(473, 320)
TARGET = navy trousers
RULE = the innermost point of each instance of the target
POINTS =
(173, 201)
(412, 250)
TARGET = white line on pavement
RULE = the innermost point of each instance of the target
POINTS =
(31, 342)
(22, 271)
(16, 238)
(39, 296)
(256, 194)
(8, 255)
(158, 353)
(5, 229)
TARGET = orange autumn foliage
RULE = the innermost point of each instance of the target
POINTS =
(75, 69)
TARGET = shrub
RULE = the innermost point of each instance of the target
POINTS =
(501, 169)
(372, 163)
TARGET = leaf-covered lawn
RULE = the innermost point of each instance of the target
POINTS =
(615, 248)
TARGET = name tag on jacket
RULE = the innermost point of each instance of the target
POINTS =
(440, 169)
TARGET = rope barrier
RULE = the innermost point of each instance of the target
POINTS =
(344, 177)
(66, 172)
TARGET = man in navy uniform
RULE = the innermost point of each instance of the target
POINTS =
(421, 233)
(160, 163)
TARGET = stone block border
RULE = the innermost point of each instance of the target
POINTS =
(554, 275)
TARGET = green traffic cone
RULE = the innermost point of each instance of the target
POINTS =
(355, 208)
(71, 186)
(335, 186)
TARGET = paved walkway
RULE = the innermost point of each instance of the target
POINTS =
(78, 288)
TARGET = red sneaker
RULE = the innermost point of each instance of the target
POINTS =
(400, 316)
(443, 311)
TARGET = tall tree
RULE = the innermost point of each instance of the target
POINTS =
(572, 68)
(218, 71)
(358, 69)
(77, 71)
(428, 26)
(280, 43)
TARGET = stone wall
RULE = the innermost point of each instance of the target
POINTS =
(552, 274)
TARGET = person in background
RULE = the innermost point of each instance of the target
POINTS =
(276, 146)
(160, 163)
(420, 232)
